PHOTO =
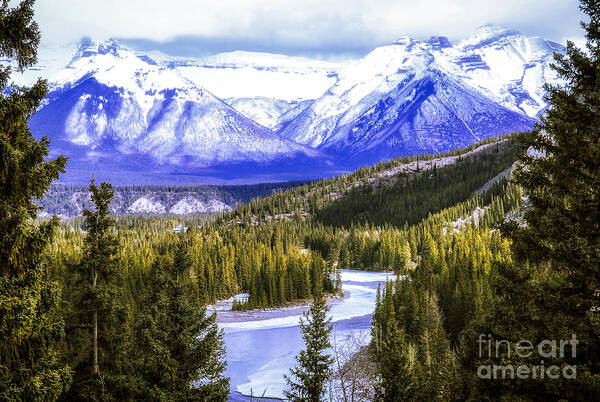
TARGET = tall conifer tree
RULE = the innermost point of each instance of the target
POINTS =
(179, 346)
(397, 380)
(559, 173)
(307, 380)
(30, 326)
(98, 330)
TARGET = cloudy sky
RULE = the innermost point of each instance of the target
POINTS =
(325, 28)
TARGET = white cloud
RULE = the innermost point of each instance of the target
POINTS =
(314, 24)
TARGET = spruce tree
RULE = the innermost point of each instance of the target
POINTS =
(307, 380)
(397, 381)
(559, 173)
(30, 324)
(97, 331)
(179, 349)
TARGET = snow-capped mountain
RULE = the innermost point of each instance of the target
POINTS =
(262, 86)
(146, 117)
(256, 75)
(512, 70)
(111, 103)
(427, 96)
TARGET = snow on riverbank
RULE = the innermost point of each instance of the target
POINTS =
(225, 305)
(260, 352)
(362, 276)
(359, 300)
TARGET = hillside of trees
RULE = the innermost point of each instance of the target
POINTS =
(248, 250)
(277, 261)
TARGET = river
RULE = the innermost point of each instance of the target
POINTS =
(260, 352)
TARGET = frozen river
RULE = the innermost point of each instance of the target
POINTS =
(260, 352)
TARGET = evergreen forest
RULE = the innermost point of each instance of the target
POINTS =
(491, 243)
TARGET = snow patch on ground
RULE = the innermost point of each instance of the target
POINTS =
(460, 223)
(504, 174)
(431, 163)
(225, 305)
(267, 380)
(361, 276)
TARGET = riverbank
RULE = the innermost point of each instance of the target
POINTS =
(297, 308)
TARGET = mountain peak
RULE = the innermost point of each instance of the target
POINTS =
(439, 42)
(88, 47)
(487, 34)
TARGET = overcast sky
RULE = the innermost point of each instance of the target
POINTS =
(326, 28)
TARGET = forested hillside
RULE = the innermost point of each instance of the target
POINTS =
(278, 248)
(458, 173)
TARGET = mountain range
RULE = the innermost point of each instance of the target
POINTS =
(68, 201)
(145, 117)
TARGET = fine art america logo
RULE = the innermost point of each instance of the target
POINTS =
(546, 349)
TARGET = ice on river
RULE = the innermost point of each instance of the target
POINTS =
(260, 352)
(362, 276)
(359, 301)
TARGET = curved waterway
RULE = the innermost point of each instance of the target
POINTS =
(261, 346)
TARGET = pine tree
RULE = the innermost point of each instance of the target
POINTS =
(397, 378)
(30, 324)
(179, 348)
(559, 172)
(98, 331)
(307, 380)
(438, 378)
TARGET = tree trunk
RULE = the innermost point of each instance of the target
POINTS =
(95, 325)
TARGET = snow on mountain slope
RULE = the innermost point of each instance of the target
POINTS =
(262, 86)
(109, 100)
(291, 114)
(146, 205)
(265, 111)
(69, 200)
(251, 75)
(191, 205)
(114, 110)
(504, 65)
(359, 87)
(185, 206)
(424, 96)
(428, 113)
